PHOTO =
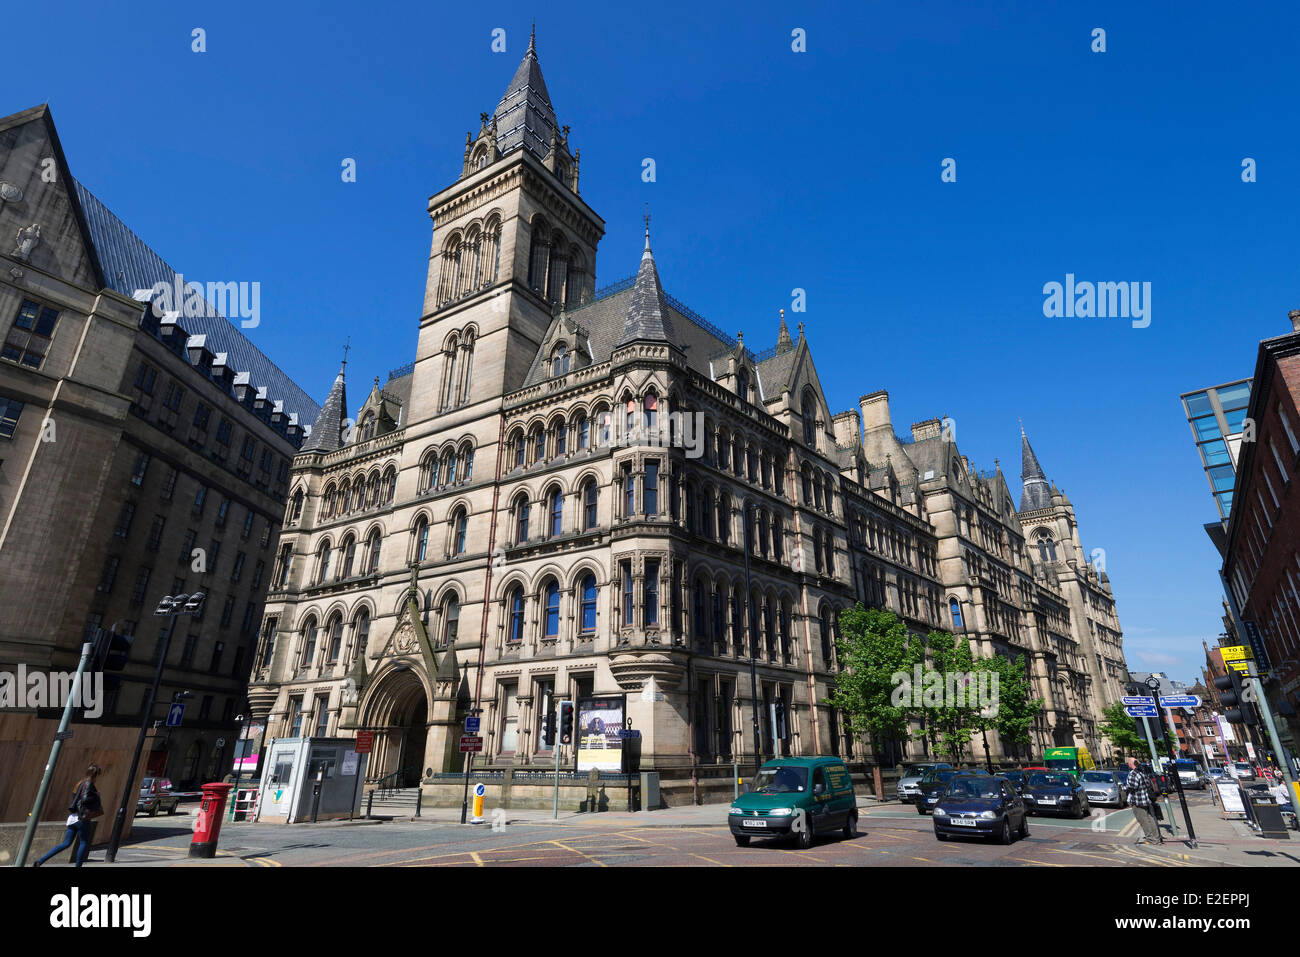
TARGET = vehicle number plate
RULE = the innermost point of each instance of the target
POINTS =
(964, 821)
(753, 823)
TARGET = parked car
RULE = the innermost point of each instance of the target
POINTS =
(908, 784)
(1242, 770)
(1218, 774)
(802, 797)
(1104, 787)
(1189, 774)
(156, 795)
(1055, 792)
(933, 783)
(980, 805)
(1016, 776)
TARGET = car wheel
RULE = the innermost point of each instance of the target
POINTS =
(851, 826)
(173, 809)
(805, 837)
(940, 835)
(1024, 827)
(153, 811)
(742, 840)
(1005, 836)
(920, 809)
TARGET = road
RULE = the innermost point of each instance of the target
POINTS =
(891, 835)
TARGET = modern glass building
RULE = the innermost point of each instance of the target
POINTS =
(1217, 418)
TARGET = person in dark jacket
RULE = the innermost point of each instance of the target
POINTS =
(85, 807)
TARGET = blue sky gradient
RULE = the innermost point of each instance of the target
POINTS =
(775, 170)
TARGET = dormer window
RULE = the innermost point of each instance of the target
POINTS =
(368, 427)
(742, 384)
(560, 360)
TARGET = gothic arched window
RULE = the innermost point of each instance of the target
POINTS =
(808, 406)
(460, 523)
(450, 619)
(522, 509)
(560, 360)
(588, 589)
(590, 496)
(1046, 547)
(552, 597)
(421, 539)
(372, 559)
(954, 606)
(515, 603)
(557, 513)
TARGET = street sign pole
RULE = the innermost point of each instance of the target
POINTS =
(555, 745)
(1155, 766)
(469, 762)
(34, 818)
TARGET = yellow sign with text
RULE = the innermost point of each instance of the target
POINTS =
(1236, 653)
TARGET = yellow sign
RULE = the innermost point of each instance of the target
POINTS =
(1236, 653)
(1241, 667)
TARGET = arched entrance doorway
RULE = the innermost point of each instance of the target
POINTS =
(398, 713)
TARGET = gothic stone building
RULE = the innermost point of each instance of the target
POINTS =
(553, 501)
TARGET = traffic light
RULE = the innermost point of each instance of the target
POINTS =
(548, 729)
(566, 722)
(1231, 697)
(782, 731)
(111, 651)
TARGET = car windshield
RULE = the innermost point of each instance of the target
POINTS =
(781, 780)
(937, 774)
(1062, 764)
(915, 770)
(1106, 776)
(1049, 780)
(1243, 767)
(973, 788)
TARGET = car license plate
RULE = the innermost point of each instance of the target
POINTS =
(964, 821)
(753, 823)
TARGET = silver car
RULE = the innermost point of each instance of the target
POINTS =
(909, 790)
(1105, 788)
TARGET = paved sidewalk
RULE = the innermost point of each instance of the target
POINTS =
(1228, 843)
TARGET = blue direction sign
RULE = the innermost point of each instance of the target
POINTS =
(471, 725)
(1138, 700)
(628, 733)
(175, 713)
(1140, 711)
(1179, 701)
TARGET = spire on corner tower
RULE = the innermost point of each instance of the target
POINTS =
(524, 116)
(1037, 492)
(330, 429)
(783, 340)
(647, 311)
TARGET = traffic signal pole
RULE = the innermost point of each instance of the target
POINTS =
(74, 696)
(1155, 766)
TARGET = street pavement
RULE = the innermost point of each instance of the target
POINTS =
(890, 835)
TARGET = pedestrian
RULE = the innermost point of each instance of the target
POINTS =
(85, 807)
(1141, 797)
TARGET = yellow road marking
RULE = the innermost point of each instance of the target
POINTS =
(1031, 861)
(560, 844)
(710, 860)
(926, 859)
(477, 860)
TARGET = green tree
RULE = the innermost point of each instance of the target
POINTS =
(873, 648)
(1017, 709)
(1123, 732)
(951, 718)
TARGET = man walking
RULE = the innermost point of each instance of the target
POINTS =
(1138, 788)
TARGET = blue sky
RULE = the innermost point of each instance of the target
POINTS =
(775, 170)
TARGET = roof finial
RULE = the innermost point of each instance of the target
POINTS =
(646, 217)
(532, 38)
(347, 346)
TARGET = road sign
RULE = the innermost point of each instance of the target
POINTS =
(365, 742)
(1236, 653)
(1180, 701)
(471, 725)
(628, 733)
(62, 735)
(471, 743)
(175, 713)
(1141, 711)
(1138, 700)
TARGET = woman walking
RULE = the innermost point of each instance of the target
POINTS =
(85, 807)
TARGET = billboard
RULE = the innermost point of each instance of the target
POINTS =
(599, 722)
(247, 748)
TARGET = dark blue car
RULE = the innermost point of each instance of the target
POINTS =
(980, 806)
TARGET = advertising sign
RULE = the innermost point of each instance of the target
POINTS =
(599, 722)
(1230, 797)
(247, 747)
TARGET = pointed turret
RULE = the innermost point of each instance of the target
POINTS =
(647, 311)
(524, 117)
(783, 340)
(329, 430)
(1037, 492)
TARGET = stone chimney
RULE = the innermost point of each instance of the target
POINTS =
(847, 427)
(929, 429)
(875, 411)
(1294, 316)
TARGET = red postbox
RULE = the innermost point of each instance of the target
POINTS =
(207, 820)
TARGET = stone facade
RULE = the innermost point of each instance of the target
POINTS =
(127, 441)
(554, 500)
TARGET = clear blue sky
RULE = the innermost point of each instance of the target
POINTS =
(775, 170)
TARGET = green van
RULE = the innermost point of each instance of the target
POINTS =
(800, 796)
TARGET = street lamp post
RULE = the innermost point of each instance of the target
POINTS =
(171, 607)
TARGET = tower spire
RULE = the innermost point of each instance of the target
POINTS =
(1036, 489)
(783, 333)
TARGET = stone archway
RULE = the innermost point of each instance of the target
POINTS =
(398, 713)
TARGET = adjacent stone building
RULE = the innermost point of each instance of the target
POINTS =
(141, 455)
(553, 501)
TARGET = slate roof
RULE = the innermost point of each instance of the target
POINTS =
(129, 264)
(327, 432)
(1037, 492)
(524, 115)
(647, 311)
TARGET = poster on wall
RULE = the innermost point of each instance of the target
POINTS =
(599, 723)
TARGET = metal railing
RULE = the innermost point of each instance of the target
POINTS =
(386, 790)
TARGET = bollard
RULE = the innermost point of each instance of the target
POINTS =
(419, 799)
(370, 803)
